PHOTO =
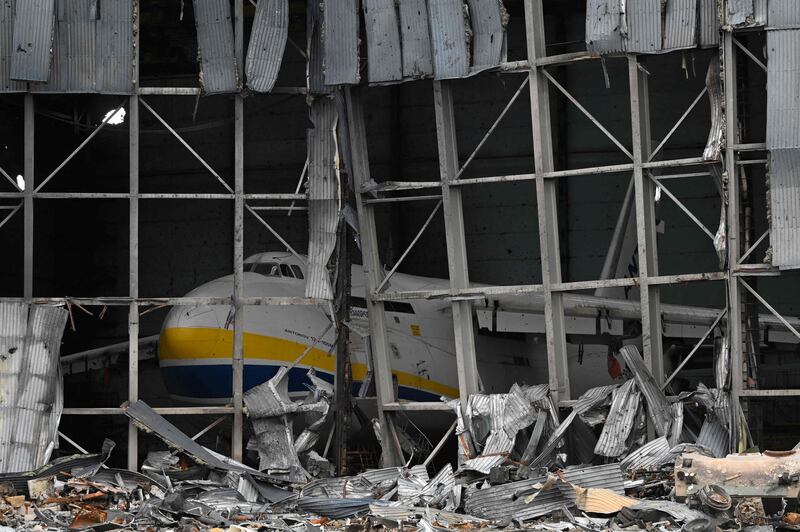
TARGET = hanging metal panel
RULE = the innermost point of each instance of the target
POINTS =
(416, 39)
(784, 178)
(381, 24)
(7, 8)
(604, 27)
(644, 26)
(489, 19)
(739, 12)
(315, 75)
(680, 26)
(215, 46)
(267, 44)
(449, 36)
(341, 42)
(115, 53)
(709, 23)
(32, 40)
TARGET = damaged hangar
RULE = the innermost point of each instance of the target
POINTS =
(476, 231)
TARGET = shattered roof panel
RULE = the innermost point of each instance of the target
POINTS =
(449, 32)
(215, 46)
(381, 25)
(657, 406)
(621, 417)
(416, 38)
(267, 44)
(341, 42)
(647, 456)
(32, 40)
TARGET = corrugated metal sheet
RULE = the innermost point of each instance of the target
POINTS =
(739, 12)
(593, 397)
(709, 23)
(315, 73)
(783, 13)
(536, 436)
(517, 411)
(677, 424)
(657, 406)
(680, 27)
(604, 21)
(677, 510)
(509, 500)
(489, 19)
(335, 508)
(381, 24)
(215, 46)
(783, 136)
(30, 380)
(7, 8)
(713, 149)
(341, 42)
(115, 52)
(495, 452)
(267, 44)
(649, 455)
(644, 26)
(323, 197)
(416, 38)
(33, 38)
(713, 437)
(606, 476)
(449, 37)
(613, 439)
(761, 12)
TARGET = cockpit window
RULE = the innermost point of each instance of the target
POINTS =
(297, 271)
(270, 269)
(286, 271)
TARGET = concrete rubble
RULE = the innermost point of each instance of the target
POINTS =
(625, 457)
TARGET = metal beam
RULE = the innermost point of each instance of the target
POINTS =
(547, 203)
(133, 277)
(645, 220)
(30, 185)
(464, 336)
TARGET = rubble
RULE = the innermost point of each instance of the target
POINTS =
(519, 467)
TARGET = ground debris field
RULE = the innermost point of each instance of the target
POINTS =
(625, 457)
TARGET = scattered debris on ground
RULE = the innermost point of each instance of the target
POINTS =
(626, 457)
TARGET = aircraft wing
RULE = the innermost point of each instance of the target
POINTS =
(105, 356)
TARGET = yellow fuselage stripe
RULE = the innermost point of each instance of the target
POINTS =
(194, 343)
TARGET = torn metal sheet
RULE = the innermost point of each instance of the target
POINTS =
(32, 40)
(677, 424)
(676, 510)
(722, 362)
(267, 44)
(323, 197)
(450, 37)
(771, 474)
(601, 501)
(30, 378)
(713, 149)
(382, 27)
(489, 20)
(739, 12)
(315, 49)
(513, 500)
(644, 26)
(606, 476)
(613, 440)
(680, 26)
(341, 38)
(709, 23)
(657, 406)
(7, 9)
(215, 46)
(713, 437)
(416, 39)
(650, 455)
(536, 436)
(605, 22)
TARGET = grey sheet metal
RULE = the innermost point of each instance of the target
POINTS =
(606, 476)
(709, 23)
(650, 455)
(323, 197)
(677, 424)
(416, 39)
(341, 42)
(593, 397)
(267, 44)
(215, 46)
(335, 508)
(713, 149)
(32, 40)
(722, 362)
(739, 12)
(116, 47)
(783, 135)
(680, 27)
(657, 406)
(644, 26)
(489, 19)
(678, 511)
(509, 500)
(449, 38)
(604, 26)
(783, 14)
(315, 49)
(713, 437)
(7, 8)
(614, 436)
(385, 58)
(30, 378)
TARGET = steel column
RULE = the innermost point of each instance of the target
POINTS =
(546, 204)
(644, 195)
(30, 184)
(466, 359)
(379, 339)
(133, 276)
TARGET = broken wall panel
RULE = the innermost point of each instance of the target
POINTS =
(381, 25)
(267, 44)
(341, 42)
(7, 9)
(489, 19)
(709, 23)
(315, 49)
(416, 39)
(739, 12)
(323, 197)
(30, 377)
(783, 140)
(449, 38)
(604, 22)
(644, 26)
(215, 46)
(680, 26)
(115, 51)
(32, 40)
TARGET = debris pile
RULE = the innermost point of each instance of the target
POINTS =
(625, 457)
